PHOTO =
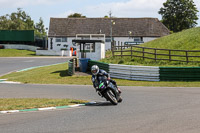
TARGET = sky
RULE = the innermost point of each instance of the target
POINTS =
(89, 8)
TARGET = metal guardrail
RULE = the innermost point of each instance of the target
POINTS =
(150, 73)
(145, 73)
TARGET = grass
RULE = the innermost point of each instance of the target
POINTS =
(147, 62)
(30, 103)
(185, 40)
(57, 74)
(15, 53)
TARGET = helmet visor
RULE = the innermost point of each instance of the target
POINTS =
(94, 71)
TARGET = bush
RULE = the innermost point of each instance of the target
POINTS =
(2, 47)
(121, 62)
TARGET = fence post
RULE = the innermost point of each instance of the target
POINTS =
(112, 49)
(155, 54)
(131, 52)
(115, 44)
(121, 51)
(186, 52)
(143, 53)
(169, 55)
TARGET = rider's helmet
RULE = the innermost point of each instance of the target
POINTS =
(95, 69)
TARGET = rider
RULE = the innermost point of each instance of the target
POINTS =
(100, 75)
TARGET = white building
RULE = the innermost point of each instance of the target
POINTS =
(63, 30)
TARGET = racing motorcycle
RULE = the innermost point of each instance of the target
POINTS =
(109, 91)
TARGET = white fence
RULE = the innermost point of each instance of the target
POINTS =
(145, 73)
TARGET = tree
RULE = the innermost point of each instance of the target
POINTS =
(76, 15)
(20, 20)
(40, 29)
(178, 15)
(16, 21)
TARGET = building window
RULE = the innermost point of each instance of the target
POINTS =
(108, 39)
(89, 47)
(64, 39)
(58, 39)
(137, 39)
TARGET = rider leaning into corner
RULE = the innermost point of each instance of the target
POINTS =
(100, 75)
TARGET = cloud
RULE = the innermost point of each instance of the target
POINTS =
(197, 3)
(23, 3)
(131, 8)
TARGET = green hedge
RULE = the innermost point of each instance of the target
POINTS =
(179, 73)
(17, 35)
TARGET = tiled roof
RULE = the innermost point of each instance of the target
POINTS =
(146, 27)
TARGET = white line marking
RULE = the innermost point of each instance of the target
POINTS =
(49, 108)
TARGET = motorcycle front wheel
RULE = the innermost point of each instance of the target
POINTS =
(110, 96)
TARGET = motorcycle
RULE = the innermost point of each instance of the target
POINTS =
(109, 91)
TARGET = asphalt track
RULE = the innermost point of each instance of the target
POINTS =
(9, 64)
(143, 110)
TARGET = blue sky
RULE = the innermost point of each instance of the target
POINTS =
(88, 8)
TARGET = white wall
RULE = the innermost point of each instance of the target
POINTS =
(98, 54)
(52, 52)
(20, 46)
(107, 44)
(122, 40)
(58, 48)
(147, 39)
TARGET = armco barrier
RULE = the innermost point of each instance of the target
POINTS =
(149, 73)
(145, 73)
(180, 73)
(101, 65)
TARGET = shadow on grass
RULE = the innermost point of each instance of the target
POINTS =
(33, 54)
(63, 73)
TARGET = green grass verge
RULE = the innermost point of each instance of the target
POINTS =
(15, 53)
(57, 74)
(30, 103)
